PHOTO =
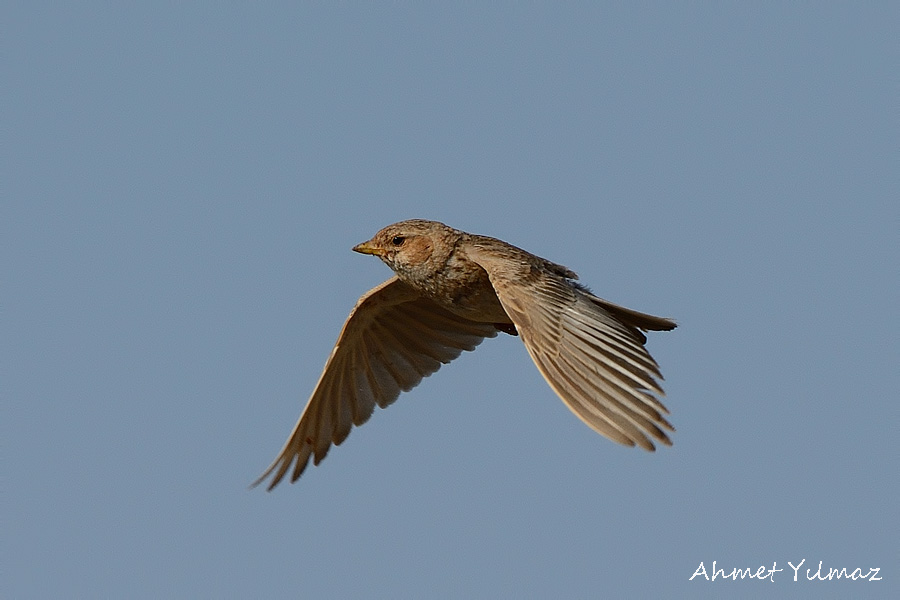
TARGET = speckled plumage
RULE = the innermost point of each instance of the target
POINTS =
(453, 289)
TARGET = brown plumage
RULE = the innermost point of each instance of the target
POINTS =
(453, 289)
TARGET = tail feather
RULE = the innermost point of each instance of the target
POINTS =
(635, 318)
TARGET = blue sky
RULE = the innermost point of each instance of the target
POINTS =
(183, 184)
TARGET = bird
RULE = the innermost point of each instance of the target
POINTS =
(450, 291)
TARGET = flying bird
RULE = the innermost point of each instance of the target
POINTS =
(451, 290)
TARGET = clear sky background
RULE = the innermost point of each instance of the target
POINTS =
(182, 185)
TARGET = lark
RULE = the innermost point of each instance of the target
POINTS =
(450, 291)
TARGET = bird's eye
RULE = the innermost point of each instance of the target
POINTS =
(398, 240)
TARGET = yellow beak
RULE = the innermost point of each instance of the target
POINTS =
(368, 248)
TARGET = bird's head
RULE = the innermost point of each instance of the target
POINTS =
(414, 249)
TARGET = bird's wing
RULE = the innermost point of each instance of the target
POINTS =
(593, 359)
(391, 340)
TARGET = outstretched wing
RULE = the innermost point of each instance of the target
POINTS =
(391, 340)
(590, 351)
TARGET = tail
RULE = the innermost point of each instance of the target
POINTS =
(635, 318)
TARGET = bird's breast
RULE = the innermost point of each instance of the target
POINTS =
(464, 289)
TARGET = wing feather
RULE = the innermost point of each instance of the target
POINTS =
(392, 339)
(590, 351)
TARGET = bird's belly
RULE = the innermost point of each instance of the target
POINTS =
(477, 303)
